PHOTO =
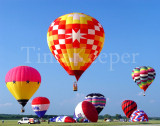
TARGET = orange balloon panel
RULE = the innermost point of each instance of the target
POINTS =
(75, 40)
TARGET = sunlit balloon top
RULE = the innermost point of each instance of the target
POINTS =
(75, 40)
(23, 73)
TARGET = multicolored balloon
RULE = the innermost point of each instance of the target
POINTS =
(98, 100)
(143, 76)
(139, 116)
(23, 82)
(86, 110)
(75, 40)
(65, 119)
(40, 106)
(128, 107)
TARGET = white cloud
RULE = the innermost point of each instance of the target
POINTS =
(6, 104)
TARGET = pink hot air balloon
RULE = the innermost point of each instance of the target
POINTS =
(87, 110)
(23, 82)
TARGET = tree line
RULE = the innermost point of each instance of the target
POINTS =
(106, 116)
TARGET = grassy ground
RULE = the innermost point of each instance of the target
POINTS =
(99, 123)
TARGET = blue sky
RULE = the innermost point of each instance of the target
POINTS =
(132, 29)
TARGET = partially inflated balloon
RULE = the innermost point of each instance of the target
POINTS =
(139, 116)
(40, 106)
(85, 109)
(75, 40)
(98, 100)
(65, 119)
(23, 82)
(128, 107)
(143, 76)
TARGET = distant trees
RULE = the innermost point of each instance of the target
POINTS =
(107, 116)
(118, 116)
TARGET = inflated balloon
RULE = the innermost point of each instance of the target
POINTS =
(65, 119)
(143, 76)
(23, 82)
(40, 106)
(85, 109)
(75, 40)
(128, 107)
(98, 100)
(139, 116)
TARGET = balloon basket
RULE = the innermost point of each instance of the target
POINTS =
(22, 110)
(75, 88)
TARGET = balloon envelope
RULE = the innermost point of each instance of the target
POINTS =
(98, 100)
(85, 109)
(75, 40)
(40, 106)
(128, 107)
(143, 76)
(65, 119)
(139, 116)
(23, 82)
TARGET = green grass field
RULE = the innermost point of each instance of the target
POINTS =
(99, 123)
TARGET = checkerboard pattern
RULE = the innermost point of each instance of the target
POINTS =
(75, 40)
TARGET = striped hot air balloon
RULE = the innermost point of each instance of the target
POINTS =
(23, 82)
(40, 106)
(98, 100)
(143, 76)
(75, 40)
(139, 116)
(128, 107)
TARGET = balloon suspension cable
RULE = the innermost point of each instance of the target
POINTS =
(73, 79)
(22, 109)
(144, 93)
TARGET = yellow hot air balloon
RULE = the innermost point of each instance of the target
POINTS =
(75, 40)
(23, 82)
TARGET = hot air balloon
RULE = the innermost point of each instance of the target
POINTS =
(40, 106)
(75, 40)
(86, 110)
(98, 100)
(128, 107)
(143, 76)
(65, 119)
(139, 116)
(23, 82)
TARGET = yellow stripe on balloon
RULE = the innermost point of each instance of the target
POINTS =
(22, 90)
